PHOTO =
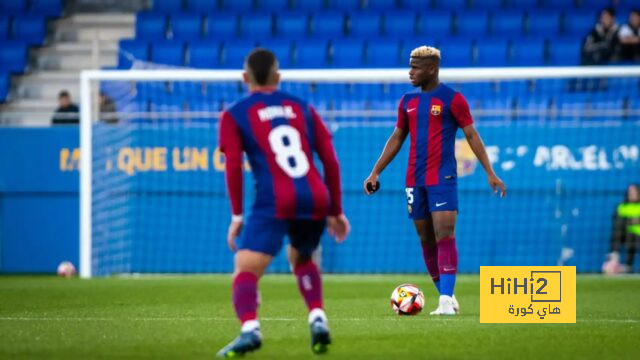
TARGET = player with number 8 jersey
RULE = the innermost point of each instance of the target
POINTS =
(279, 133)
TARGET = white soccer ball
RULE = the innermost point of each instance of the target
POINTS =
(66, 269)
(407, 299)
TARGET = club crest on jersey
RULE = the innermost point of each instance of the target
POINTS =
(436, 110)
(271, 112)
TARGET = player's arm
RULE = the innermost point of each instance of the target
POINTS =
(231, 146)
(460, 110)
(337, 222)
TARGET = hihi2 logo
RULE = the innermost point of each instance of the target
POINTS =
(527, 294)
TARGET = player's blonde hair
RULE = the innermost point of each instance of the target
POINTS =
(425, 51)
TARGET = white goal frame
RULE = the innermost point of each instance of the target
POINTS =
(87, 104)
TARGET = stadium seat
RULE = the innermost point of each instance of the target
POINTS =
(151, 26)
(565, 52)
(167, 6)
(328, 25)
(543, 24)
(51, 8)
(202, 6)
(256, 25)
(308, 5)
(235, 52)
(273, 6)
(221, 25)
(29, 28)
(238, 6)
(347, 53)
(400, 24)
(492, 53)
(344, 5)
(168, 52)
(557, 4)
(458, 5)
(411, 43)
(311, 54)
(4, 27)
(528, 52)
(435, 24)
(204, 54)
(365, 24)
(13, 56)
(291, 25)
(130, 50)
(381, 5)
(521, 4)
(579, 24)
(507, 24)
(456, 54)
(472, 25)
(417, 6)
(13, 7)
(4, 86)
(186, 26)
(282, 50)
(492, 5)
(383, 53)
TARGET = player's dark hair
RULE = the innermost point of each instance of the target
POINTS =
(63, 94)
(609, 10)
(260, 64)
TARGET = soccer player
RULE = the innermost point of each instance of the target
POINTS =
(279, 134)
(431, 118)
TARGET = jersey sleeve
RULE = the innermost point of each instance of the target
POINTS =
(327, 154)
(231, 146)
(402, 122)
(460, 111)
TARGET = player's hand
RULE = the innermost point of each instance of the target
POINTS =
(371, 184)
(234, 231)
(338, 227)
(496, 183)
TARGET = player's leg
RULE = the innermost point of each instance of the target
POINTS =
(444, 228)
(305, 236)
(427, 237)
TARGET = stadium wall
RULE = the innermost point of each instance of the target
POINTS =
(564, 183)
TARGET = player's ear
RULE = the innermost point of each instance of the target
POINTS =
(246, 78)
(276, 77)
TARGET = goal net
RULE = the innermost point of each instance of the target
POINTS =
(564, 140)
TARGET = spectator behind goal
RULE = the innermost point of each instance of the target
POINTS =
(601, 45)
(629, 37)
(67, 112)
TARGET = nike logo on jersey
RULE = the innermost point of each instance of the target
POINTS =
(440, 204)
(271, 112)
(410, 110)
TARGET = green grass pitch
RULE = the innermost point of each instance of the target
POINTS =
(190, 317)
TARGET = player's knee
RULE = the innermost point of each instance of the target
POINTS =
(445, 231)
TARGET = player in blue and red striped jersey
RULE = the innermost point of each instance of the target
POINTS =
(431, 118)
(279, 133)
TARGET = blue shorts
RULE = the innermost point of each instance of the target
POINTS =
(266, 234)
(423, 200)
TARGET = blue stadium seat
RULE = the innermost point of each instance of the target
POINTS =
(221, 25)
(202, 6)
(494, 5)
(129, 50)
(29, 28)
(384, 53)
(13, 7)
(458, 5)
(416, 5)
(204, 54)
(543, 24)
(508, 24)
(13, 56)
(381, 5)
(472, 25)
(4, 86)
(411, 43)
(579, 24)
(528, 52)
(347, 53)
(4, 27)
(308, 5)
(492, 53)
(282, 50)
(167, 6)
(151, 26)
(168, 52)
(400, 24)
(51, 8)
(557, 4)
(235, 52)
(456, 54)
(365, 24)
(273, 6)
(521, 4)
(256, 25)
(311, 54)
(328, 25)
(435, 24)
(565, 51)
(186, 26)
(344, 5)
(239, 6)
(291, 25)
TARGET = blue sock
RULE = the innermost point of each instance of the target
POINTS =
(437, 284)
(447, 282)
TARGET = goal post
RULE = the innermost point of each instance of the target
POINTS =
(622, 113)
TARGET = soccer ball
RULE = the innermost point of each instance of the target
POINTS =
(66, 269)
(407, 299)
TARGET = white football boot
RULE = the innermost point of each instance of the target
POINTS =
(456, 306)
(445, 306)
